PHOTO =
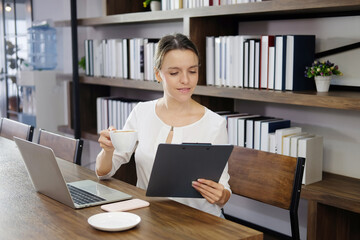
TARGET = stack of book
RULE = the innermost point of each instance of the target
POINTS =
(121, 58)
(276, 135)
(263, 62)
(111, 111)
(178, 4)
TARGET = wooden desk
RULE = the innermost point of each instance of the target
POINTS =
(333, 208)
(26, 214)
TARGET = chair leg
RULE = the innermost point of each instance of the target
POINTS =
(294, 225)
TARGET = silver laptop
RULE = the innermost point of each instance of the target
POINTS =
(47, 179)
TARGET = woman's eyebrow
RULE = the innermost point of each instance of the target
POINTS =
(176, 68)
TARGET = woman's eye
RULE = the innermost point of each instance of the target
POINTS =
(193, 72)
(173, 73)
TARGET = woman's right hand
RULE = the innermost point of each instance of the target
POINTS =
(105, 141)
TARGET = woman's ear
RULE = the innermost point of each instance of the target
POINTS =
(158, 76)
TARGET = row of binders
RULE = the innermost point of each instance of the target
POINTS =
(261, 62)
(179, 4)
(276, 135)
(111, 111)
(121, 58)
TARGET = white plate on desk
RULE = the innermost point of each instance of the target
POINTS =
(114, 221)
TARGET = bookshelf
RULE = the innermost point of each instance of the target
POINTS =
(337, 99)
(326, 198)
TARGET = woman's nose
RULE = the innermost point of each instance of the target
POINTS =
(184, 79)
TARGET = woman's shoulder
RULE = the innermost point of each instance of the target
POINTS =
(146, 105)
(213, 117)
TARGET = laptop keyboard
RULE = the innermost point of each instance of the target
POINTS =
(80, 196)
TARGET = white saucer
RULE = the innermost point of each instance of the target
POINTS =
(114, 221)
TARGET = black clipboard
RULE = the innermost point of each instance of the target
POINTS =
(177, 165)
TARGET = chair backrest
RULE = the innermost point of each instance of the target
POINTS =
(270, 178)
(10, 128)
(67, 148)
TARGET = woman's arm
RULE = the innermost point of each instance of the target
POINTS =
(104, 159)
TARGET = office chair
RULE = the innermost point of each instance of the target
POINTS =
(270, 178)
(67, 148)
(10, 128)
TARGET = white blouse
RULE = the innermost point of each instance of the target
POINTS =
(152, 131)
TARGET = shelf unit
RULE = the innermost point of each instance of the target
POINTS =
(348, 100)
(211, 21)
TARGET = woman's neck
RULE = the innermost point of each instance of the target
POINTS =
(178, 114)
(171, 105)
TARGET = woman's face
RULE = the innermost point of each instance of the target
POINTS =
(179, 74)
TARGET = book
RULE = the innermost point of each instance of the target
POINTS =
(257, 65)
(270, 127)
(311, 149)
(280, 61)
(210, 61)
(241, 134)
(257, 131)
(287, 142)
(266, 43)
(272, 142)
(250, 130)
(87, 60)
(280, 134)
(242, 70)
(125, 60)
(300, 53)
(217, 62)
(232, 126)
(246, 65)
(271, 69)
(294, 142)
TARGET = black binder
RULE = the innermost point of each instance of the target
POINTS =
(177, 165)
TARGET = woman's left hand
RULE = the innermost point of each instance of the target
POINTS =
(213, 192)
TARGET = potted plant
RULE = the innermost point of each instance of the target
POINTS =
(155, 5)
(322, 72)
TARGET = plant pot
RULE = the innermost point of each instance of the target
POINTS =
(155, 5)
(322, 83)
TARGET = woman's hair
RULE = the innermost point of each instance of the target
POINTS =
(173, 42)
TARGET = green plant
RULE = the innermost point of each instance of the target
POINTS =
(82, 63)
(322, 69)
(147, 2)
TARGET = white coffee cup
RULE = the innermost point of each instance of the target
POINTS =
(124, 140)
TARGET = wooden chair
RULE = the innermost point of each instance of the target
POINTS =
(67, 148)
(270, 178)
(10, 128)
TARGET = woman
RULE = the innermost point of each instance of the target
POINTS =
(174, 118)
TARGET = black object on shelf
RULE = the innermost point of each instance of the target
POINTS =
(337, 50)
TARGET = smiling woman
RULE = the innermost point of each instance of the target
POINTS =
(175, 118)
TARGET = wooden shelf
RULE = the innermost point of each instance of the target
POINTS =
(266, 10)
(348, 100)
(335, 190)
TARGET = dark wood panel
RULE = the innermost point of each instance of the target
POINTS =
(335, 190)
(335, 223)
(127, 172)
(124, 6)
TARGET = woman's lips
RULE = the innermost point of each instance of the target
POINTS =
(184, 90)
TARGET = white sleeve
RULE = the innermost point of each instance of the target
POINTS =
(122, 158)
